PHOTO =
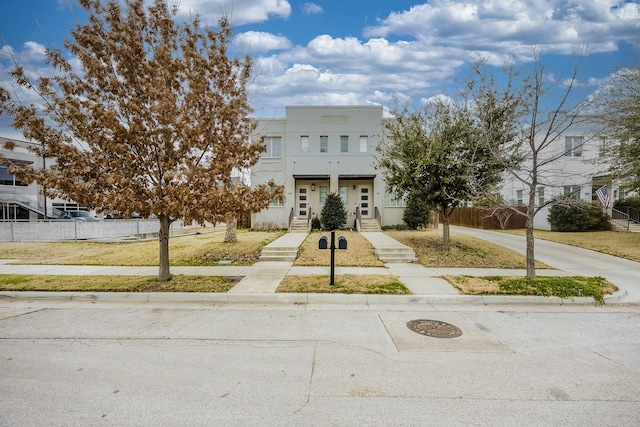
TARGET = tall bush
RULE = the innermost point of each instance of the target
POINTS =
(416, 213)
(578, 217)
(333, 215)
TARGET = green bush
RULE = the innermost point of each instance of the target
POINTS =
(578, 217)
(633, 202)
(316, 224)
(395, 227)
(333, 215)
(416, 213)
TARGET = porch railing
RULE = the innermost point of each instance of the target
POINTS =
(631, 212)
(309, 220)
(290, 219)
(620, 218)
(378, 217)
(358, 219)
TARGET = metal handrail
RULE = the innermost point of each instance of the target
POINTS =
(620, 218)
(29, 203)
(358, 219)
(631, 212)
(290, 218)
(309, 220)
(378, 217)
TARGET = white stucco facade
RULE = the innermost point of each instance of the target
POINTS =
(578, 169)
(316, 150)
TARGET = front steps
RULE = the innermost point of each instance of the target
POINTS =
(298, 226)
(369, 226)
(396, 254)
(278, 254)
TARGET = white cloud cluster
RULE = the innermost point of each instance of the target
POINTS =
(240, 11)
(311, 9)
(258, 41)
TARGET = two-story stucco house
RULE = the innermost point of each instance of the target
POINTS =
(317, 150)
(578, 170)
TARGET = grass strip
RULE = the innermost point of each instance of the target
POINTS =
(563, 287)
(344, 284)
(178, 283)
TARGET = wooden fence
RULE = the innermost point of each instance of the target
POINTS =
(487, 218)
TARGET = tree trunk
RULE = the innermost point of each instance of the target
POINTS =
(231, 235)
(446, 239)
(531, 260)
(163, 238)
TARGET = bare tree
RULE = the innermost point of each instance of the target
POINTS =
(155, 122)
(534, 129)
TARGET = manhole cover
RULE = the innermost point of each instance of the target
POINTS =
(434, 328)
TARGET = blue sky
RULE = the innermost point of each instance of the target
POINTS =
(367, 52)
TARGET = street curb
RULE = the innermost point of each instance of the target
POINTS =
(296, 298)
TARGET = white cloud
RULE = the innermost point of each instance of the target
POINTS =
(257, 41)
(311, 9)
(505, 26)
(240, 11)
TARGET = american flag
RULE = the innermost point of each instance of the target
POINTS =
(603, 196)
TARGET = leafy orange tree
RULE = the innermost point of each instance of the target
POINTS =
(156, 121)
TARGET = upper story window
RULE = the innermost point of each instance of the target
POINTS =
(540, 196)
(602, 146)
(7, 179)
(324, 144)
(573, 146)
(274, 146)
(344, 144)
(304, 144)
(520, 197)
(364, 143)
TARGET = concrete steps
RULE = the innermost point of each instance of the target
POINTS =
(369, 225)
(278, 254)
(396, 254)
(298, 226)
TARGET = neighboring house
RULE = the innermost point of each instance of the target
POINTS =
(24, 202)
(579, 171)
(317, 150)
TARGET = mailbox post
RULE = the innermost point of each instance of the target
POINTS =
(342, 244)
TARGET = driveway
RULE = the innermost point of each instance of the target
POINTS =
(581, 262)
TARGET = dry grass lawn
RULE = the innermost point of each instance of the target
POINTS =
(178, 283)
(359, 251)
(465, 251)
(200, 249)
(620, 244)
(344, 284)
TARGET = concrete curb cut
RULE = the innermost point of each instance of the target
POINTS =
(295, 299)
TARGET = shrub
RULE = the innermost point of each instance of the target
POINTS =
(633, 202)
(395, 227)
(316, 224)
(578, 217)
(416, 213)
(333, 215)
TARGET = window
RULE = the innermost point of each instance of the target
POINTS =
(392, 200)
(304, 144)
(7, 179)
(540, 196)
(344, 192)
(520, 197)
(573, 146)
(344, 144)
(602, 146)
(323, 193)
(364, 143)
(572, 191)
(275, 202)
(274, 146)
(324, 144)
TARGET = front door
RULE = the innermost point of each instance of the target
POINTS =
(365, 200)
(302, 202)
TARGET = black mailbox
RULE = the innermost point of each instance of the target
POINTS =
(322, 244)
(342, 242)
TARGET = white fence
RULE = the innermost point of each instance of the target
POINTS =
(52, 231)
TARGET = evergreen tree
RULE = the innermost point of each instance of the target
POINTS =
(333, 215)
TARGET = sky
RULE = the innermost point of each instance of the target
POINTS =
(351, 52)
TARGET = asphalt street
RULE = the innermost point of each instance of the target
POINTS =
(89, 363)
